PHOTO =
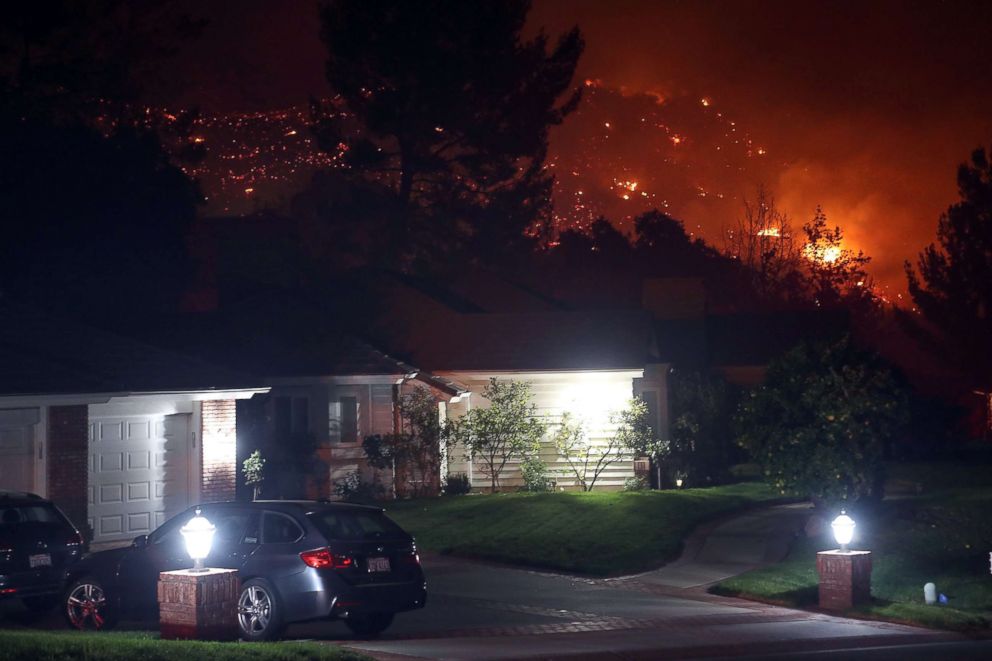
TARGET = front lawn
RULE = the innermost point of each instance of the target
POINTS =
(124, 646)
(600, 533)
(934, 527)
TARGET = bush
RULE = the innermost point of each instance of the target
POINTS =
(354, 489)
(535, 474)
(456, 484)
(635, 484)
(819, 425)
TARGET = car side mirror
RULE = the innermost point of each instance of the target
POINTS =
(140, 542)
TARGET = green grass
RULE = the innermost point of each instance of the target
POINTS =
(935, 526)
(600, 533)
(121, 646)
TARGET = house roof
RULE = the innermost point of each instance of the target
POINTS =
(43, 354)
(535, 342)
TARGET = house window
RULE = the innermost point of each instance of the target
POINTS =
(343, 420)
(291, 415)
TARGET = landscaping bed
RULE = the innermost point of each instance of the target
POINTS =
(935, 526)
(599, 533)
(124, 646)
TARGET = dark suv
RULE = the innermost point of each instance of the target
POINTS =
(297, 561)
(37, 545)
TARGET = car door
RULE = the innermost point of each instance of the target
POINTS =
(275, 535)
(165, 550)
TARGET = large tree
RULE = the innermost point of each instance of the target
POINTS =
(444, 108)
(821, 423)
(953, 285)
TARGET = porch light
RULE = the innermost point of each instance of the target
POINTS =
(199, 536)
(843, 527)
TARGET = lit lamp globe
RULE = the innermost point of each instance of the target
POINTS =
(843, 527)
(199, 536)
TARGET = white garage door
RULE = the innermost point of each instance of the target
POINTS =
(138, 472)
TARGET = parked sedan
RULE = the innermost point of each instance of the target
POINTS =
(37, 546)
(297, 561)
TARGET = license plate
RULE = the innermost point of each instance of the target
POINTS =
(40, 560)
(377, 564)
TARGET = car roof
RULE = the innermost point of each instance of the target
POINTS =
(301, 505)
(20, 497)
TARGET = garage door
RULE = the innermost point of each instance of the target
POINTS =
(138, 473)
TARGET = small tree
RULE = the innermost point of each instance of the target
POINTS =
(417, 449)
(507, 429)
(588, 460)
(819, 425)
(252, 468)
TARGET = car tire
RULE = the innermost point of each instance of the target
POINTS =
(368, 625)
(260, 615)
(87, 605)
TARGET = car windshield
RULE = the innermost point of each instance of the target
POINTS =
(357, 525)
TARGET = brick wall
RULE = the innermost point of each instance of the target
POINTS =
(218, 425)
(68, 452)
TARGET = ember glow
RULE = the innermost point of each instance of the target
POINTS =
(696, 102)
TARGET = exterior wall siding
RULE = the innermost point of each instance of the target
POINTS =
(218, 420)
(588, 396)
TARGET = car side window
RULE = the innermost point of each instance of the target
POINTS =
(279, 529)
(230, 525)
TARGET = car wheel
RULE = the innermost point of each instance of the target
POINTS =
(259, 611)
(87, 605)
(368, 625)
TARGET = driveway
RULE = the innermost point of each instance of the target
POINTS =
(480, 611)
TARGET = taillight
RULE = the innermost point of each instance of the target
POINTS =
(75, 539)
(320, 558)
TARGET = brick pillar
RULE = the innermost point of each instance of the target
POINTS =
(218, 424)
(68, 459)
(845, 578)
(201, 606)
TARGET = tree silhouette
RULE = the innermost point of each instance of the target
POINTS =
(444, 107)
(953, 288)
(836, 275)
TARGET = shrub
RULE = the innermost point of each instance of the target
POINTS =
(457, 484)
(353, 489)
(509, 428)
(636, 483)
(588, 460)
(535, 474)
(252, 468)
(819, 425)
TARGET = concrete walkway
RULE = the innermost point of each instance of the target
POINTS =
(730, 547)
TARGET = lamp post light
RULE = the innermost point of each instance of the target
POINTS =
(845, 575)
(199, 536)
(843, 527)
(198, 603)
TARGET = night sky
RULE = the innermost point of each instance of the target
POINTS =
(865, 108)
